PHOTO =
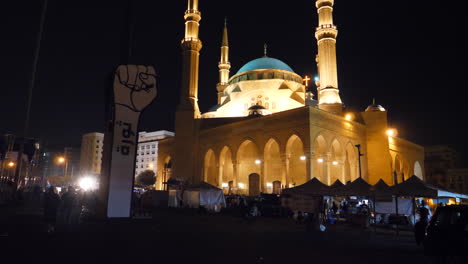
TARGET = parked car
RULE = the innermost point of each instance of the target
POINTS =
(447, 232)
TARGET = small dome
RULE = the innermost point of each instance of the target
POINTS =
(256, 107)
(258, 110)
(265, 63)
(375, 107)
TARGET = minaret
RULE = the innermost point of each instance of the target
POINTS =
(224, 65)
(186, 125)
(325, 33)
(191, 46)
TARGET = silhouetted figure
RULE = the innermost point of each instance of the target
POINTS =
(334, 208)
(51, 204)
(68, 201)
(299, 218)
(420, 226)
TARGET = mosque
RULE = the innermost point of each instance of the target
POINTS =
(267, 132)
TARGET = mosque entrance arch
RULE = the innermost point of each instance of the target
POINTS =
(277, 187)
(254, 184)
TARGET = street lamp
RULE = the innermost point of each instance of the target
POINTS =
(358, 146)
(11, 164)
(62, 160)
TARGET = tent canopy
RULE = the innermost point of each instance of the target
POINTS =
(313, 187)
(381, 189)
(336, 184)
(416, 187)
(201, 186)
(358, 187)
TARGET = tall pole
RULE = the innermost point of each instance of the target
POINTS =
(30, 91)
(358, 146)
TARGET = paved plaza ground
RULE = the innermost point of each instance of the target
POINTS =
(181, 236)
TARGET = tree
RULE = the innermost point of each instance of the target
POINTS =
(146, 178)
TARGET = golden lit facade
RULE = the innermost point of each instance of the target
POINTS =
(263, 136)
(91, 153)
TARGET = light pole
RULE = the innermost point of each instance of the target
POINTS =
(358, 146)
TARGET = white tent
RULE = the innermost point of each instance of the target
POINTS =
(195, 195)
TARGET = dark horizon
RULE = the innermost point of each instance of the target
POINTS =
(405, 55)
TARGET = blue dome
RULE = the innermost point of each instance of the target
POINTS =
(265, 63)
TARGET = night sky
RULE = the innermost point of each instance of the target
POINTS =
(406, 54)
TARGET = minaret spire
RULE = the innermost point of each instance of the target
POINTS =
(186, 123)
(265, 49)
(224, 65)
(191, 46)
(326, 32)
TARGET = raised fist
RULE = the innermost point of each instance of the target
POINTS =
(134, 86)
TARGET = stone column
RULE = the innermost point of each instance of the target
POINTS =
(310, 165)
(220, 175)
(284, 169)
(327, 171)
(343, 171)
(235, 175)
(262, 176)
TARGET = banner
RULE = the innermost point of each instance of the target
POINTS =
(134, 89)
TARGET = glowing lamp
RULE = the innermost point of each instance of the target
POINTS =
(11, 164)
(335, 162)
(61, 160)
(269, 184)
(303, 157)
(316, 78)
(224, 185)
(151, 165)
(320, 160)
(391, 132)
(241, 185)
(87, 183)
(349, 117)
(258, 161)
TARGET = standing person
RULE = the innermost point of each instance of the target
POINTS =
(51, 203)
(334, 208)
(420, 226)
(68, 201)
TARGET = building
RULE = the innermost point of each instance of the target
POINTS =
(457, 180)
(266, 130)
(91, 153)
(72, 162)
(147, 151)
(443, 168)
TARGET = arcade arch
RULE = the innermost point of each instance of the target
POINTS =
(248, 160)
(296, 164)
(210, 170)
(273, 164)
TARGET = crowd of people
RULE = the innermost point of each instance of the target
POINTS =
(63, 208)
